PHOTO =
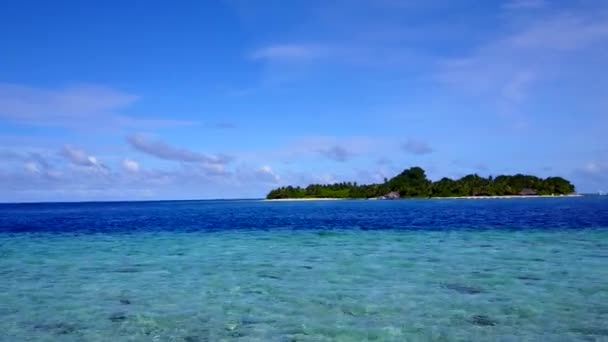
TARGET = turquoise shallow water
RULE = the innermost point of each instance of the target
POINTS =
(419, 270)
(308, 285)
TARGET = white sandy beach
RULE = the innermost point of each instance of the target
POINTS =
(456, 197)
(303, 199)
(507, 197)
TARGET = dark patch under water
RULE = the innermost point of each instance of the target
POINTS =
(482, 320)
(464, 289)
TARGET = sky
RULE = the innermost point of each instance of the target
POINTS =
(148, 100)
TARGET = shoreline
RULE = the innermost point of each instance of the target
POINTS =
(307, 199)
(454, 197)
(507, 196)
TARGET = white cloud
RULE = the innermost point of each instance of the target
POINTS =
(130, 165)
(289, 52)
(215, 169)
(562, 32)
(509, 65)
(80, 106)
(524, 4)
(594, 168)
(162, 150)
(32, 167)
(593, 175)
(265, 173)
(28, 104)
(79, 157)
(32, 104)
(507, 72)
(34, 163)
(514, 90)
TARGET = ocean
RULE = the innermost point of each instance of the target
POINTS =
(250, 270)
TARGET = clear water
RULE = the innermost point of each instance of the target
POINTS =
(456, 270)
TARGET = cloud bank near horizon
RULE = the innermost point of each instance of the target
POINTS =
(340, 93)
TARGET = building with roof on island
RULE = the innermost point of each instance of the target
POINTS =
(528, 192)
(393, 195)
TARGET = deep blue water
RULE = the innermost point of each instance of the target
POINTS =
(518, 214)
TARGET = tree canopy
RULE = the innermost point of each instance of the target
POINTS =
(413, 183)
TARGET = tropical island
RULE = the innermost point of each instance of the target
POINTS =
(413, 183)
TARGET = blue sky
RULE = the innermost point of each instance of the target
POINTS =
(113, 100)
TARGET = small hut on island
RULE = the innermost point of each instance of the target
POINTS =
(393, 195)
(528, 192)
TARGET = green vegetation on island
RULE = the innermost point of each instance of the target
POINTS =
(413, 182)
